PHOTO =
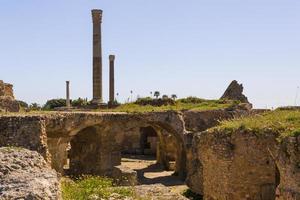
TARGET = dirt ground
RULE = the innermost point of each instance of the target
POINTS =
(151, 173)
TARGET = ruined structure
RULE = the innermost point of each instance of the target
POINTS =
(107, 135)
(235, 92)
(7, 99)
(217, 164)
(245, 165)
(97, 57)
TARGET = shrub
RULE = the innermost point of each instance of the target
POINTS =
(80, 102)
(35, 107)
(193, 100)
(23, 104)
(154, 102)
(54, 103)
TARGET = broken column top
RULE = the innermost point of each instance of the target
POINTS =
(112, 57)
(235, 92)
(97, 15)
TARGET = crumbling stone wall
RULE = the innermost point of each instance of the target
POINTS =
(237, 165)
(24, 131)
(7, 101)
(287, 157)
(245, 164)
(6, 89)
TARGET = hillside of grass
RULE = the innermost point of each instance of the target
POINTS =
(190, 103)
(285, 122)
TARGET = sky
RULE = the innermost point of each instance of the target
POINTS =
(188, 48)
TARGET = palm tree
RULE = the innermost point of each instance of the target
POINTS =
(174, 96)
(131, 92)
(156, 94)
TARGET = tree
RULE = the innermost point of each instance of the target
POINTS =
(156, 94)
(54, 103)
(80, 102)
(165, 96)
(34, 106)
(174, 96)
(23, 104)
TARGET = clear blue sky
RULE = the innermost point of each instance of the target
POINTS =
(191, 47)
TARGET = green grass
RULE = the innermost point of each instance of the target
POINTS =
(92, 187)
(189, 103)
(287, 123)
(205, 105)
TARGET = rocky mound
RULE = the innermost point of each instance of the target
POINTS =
(24, 174)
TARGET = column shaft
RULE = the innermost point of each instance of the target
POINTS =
(97, 57)
(111, 78)
(68, 102)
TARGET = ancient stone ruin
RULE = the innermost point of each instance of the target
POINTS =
(235, 92)
(215, 162)
(7, 99)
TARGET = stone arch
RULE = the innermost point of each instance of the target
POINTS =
(61, 130)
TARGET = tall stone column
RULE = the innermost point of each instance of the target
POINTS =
(68, 102)
(111, 78)
(97, 57)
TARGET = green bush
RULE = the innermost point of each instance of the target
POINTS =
(80, 102)
(23, 104)
(193, 100)
(155, 102)
(54, 103)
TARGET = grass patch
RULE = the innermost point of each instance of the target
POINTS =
(191, 195)
(179, 105)
(287, 123)
(92, 187)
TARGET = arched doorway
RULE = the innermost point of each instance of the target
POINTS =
(148, 141)
(84, 151)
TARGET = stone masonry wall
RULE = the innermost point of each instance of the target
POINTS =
(6, 89)
(287, 157)
(236, 166)
(24, 131)
(7, 101)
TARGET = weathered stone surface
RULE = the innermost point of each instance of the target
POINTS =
(6, 89)
(7, 101)
(124, 176)
(235, 92)
(236, 166)
(196, 121)
(24, 174)
(24, 131)
(7, 104)
(157, 191)
(244, 165)
(287, 158)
